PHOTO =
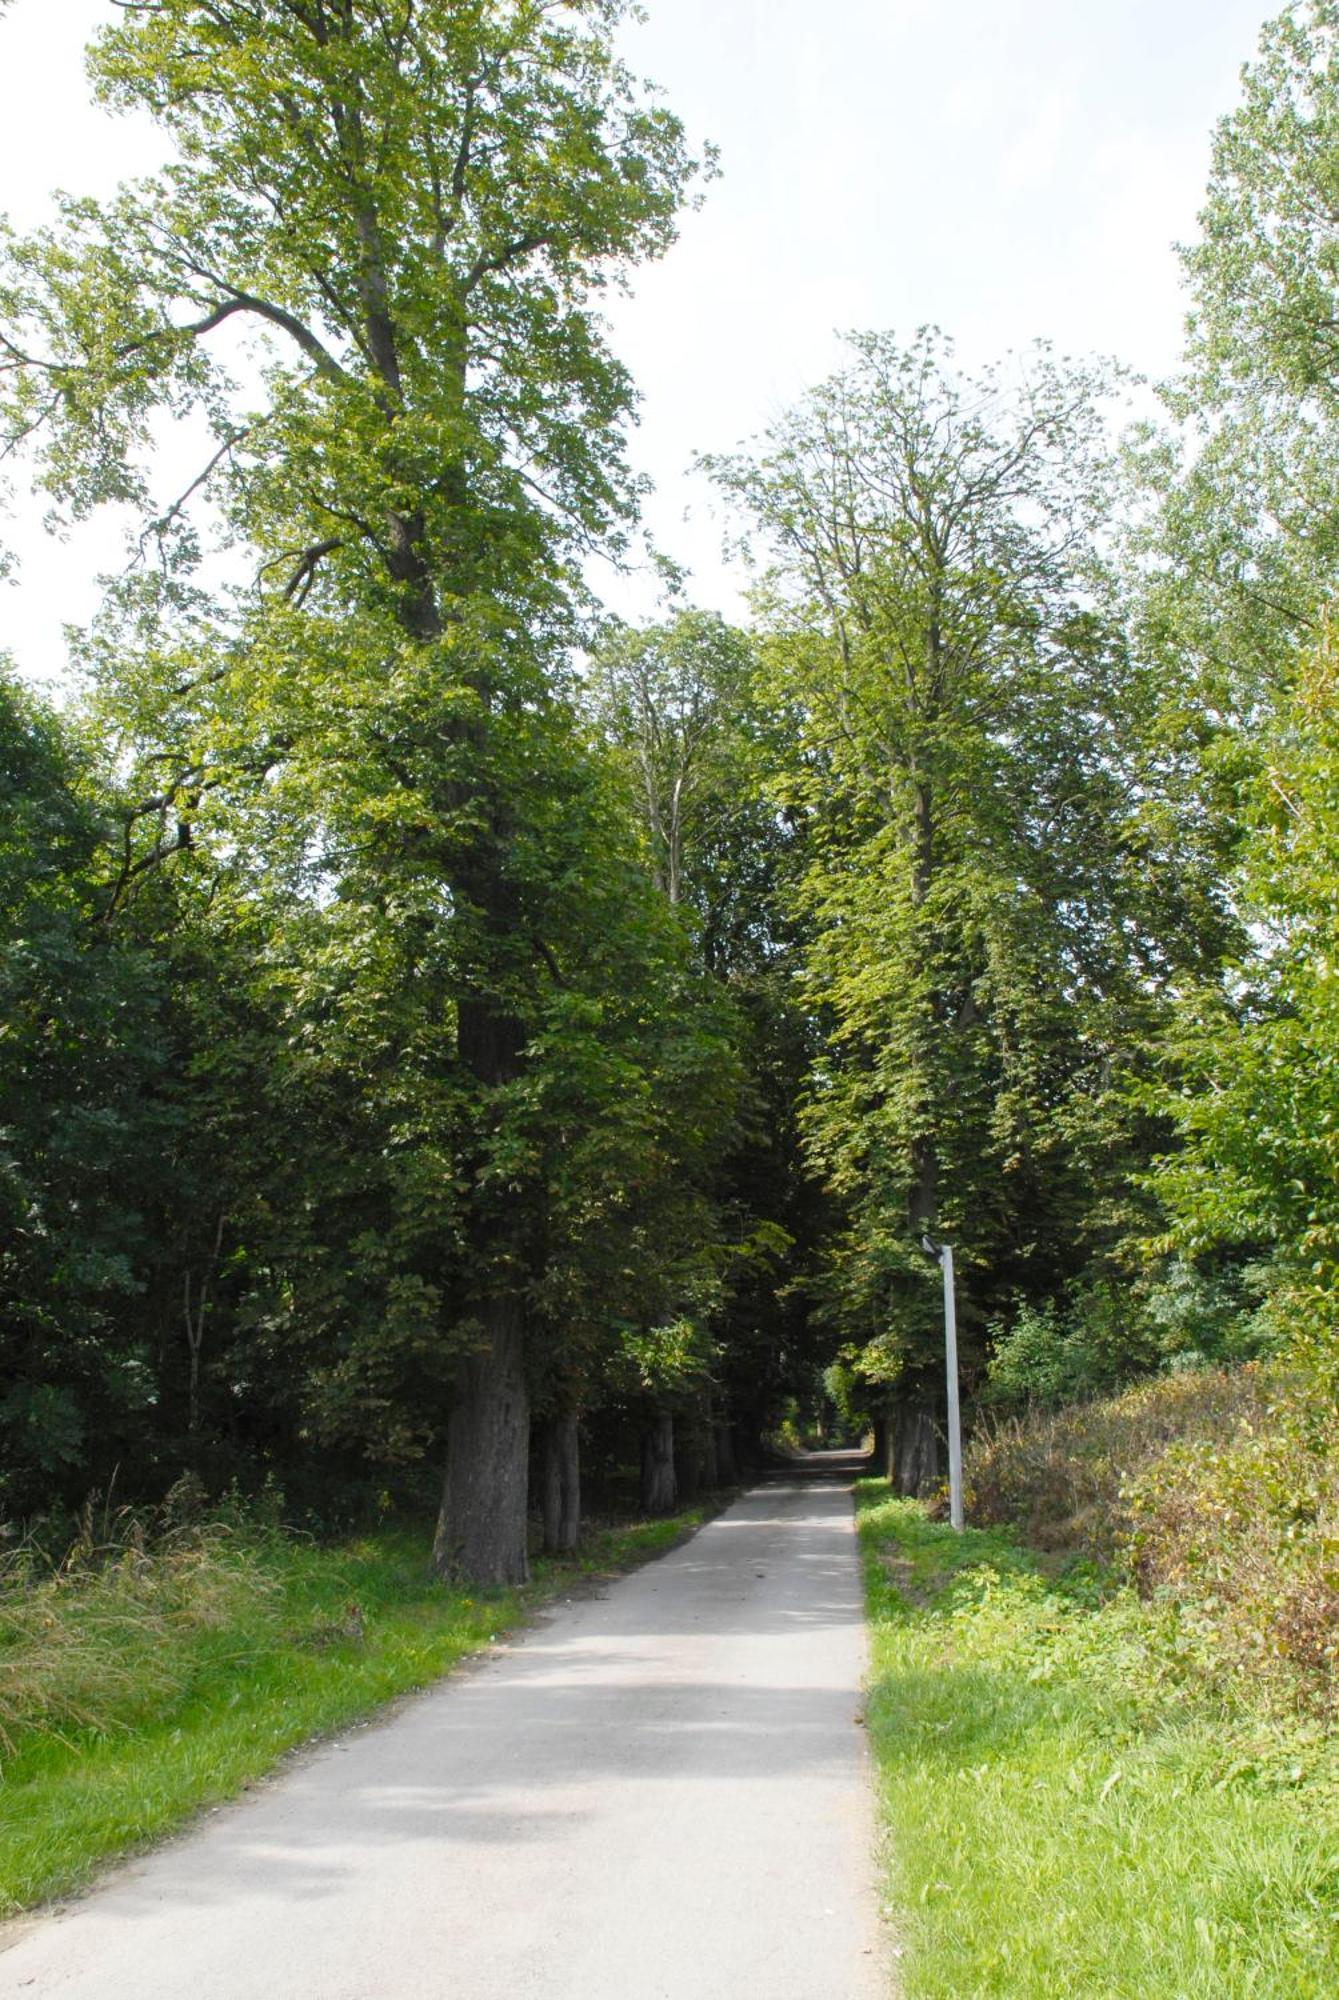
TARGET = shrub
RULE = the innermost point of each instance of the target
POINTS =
(1055, 1354)
(1059, 1474)
(1246, 1532)
(1103, 1337)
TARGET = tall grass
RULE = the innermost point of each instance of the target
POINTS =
(157, 1668)
(117, 1633)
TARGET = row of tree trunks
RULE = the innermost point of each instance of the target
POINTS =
(684, 1457)
(482, 1528)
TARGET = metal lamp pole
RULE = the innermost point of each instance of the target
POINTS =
(943, 1255)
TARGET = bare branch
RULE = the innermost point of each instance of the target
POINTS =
(177, 509)
(298, 588)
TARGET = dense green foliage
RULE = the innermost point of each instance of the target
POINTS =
(996, 899)
(432, 1016)
(81, 1047)
(444, 1110)
(1250, 533)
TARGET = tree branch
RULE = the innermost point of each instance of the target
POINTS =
(298, 588)
(178, 507)
(523, 246)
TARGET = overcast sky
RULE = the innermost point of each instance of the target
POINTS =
(1007, 168)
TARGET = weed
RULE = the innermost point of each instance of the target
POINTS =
(1218, 1490)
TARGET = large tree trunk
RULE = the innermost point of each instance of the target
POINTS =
(694, 1455)
(727, 1471)
(562, 1485)
(916, 1465)
(481, 1530)
(660, 1489)
(882, 1449)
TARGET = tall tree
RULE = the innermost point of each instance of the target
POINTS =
(670, 699)
(1250, 1078)
(676, 702)
(1242, 543)
(1243, 584)
(993, 906)
(1265, 310)
(412, 206)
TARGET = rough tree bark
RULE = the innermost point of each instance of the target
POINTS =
(660, 1489)
(481, 1529)
(561, 1496)
(916, 1465)
(481, 1532)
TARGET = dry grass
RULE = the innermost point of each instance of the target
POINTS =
(1059, 1476)
(1218, 1491)
(120, 1626)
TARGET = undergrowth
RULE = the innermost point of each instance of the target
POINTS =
(1076, 1805)
(154, 1671)
(1218, 1490)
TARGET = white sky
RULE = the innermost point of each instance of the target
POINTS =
(1007, 168)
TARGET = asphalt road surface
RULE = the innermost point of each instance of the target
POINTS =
(656, 1794)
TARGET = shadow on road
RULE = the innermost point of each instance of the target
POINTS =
(819, 1467)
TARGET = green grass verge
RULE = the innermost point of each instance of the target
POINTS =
(169, 1694)
(1069, 1807)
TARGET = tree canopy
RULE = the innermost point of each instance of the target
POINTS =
(439, 1021)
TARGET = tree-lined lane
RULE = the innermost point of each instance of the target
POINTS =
(659, 1794)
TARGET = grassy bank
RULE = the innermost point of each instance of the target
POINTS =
(143, 1680)
(1216, 1491)
(1076, 1803)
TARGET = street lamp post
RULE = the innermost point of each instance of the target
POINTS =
(943, 1256)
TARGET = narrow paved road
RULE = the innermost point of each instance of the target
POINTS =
(658, 1794)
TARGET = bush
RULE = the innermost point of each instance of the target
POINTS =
(1103, 1337)
(1055, 1354)
(1246, 1533)
(1059, 1475)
